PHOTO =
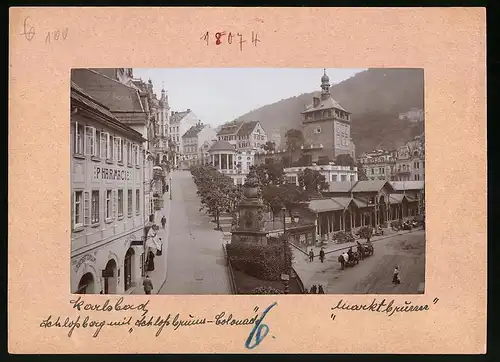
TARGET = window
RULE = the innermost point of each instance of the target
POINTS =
(119, 148)
(343, 177)
(137, 201)
(108, 207)
(97, 152)
(78, 209)
(120, 203)
(90, 141)
(111, 149)
(352, 177)
(334, 178)
(104, 145)
(78, 146)
(129, 203)
(373, 171)
(129, 153)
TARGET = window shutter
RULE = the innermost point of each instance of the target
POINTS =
(115, 203)
(102, 150)
(73, 210)
(75, 148)
(85, 143)
(94, 142)
(86, 208)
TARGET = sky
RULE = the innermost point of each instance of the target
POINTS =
(219, 95)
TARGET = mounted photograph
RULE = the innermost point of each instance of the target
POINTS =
(198, 181)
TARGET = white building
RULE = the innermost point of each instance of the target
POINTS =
(180, 122)
(332, 173)
(410, 164)
(227, 160)
(107, 199)
(243, 135)
(197, 140)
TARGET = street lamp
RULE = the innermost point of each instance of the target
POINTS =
(285, 276)
(170, 187)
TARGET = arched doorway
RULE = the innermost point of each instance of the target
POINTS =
(382, 211)
(86, 285)
(165, 160)
(109, 275)
(129, 268)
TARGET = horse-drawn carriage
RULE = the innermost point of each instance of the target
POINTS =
(345, 260)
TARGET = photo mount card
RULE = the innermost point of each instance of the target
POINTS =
(208, 190)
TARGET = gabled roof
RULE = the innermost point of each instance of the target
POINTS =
(221, 146)
(84, 100)
(362, 201)
(370, 186)
(193, 131)
(178, 116)
(323, 205)
(340, 186)
(407, 185)
(328, 103)
(247, 128)
(396, 198)
(109, 92)
(229, 128)
(343, 201)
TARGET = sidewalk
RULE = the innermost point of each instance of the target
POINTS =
(159, 275)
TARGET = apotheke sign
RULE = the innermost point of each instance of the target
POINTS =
(104, 173)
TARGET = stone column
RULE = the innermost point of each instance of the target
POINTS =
(220, 161)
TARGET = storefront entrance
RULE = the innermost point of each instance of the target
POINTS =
(129, 268)
(86, 285)
(109, 275)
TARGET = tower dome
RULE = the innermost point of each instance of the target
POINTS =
(325, 78)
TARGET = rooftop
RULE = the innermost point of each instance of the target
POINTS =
(109, 92)
(178, 116)
(247, 128)
(229, 128)
(221, 146)
(194, 130)
(407, 185)
(328, 103)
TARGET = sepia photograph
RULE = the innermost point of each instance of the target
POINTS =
(199, 181)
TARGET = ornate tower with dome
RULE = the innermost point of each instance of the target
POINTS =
(326, 126)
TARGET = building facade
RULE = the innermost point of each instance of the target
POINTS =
(107, 199)
(410, 164)
(132, 102)
(379, 164)
(180, 122)
(243, 135)
(332, 173)
(327, 126)
(197, 140)
(414, 115)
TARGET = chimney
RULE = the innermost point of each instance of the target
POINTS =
(189, 110)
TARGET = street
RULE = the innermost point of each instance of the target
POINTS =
(372, 275)
(195, 259)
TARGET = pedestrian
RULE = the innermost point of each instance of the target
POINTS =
(148, 285)
(313, 289)
(163, 221)
(322, 254)
(311, 255)
(395, 276)
(320, 290)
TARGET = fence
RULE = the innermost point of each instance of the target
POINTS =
(230, 273)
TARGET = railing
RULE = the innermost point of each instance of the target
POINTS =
(232, 282)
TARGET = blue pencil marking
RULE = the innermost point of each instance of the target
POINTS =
(260, 330)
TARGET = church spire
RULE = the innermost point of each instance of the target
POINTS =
(325, 85)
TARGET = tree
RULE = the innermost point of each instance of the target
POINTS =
(312, 181)
(275, 173)
(361, 172)
(294, 139)
(344, 160)
(365, 233)
(269, 146)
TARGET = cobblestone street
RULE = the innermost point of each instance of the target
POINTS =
(195, 260)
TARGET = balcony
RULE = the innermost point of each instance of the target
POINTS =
(403, 172)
